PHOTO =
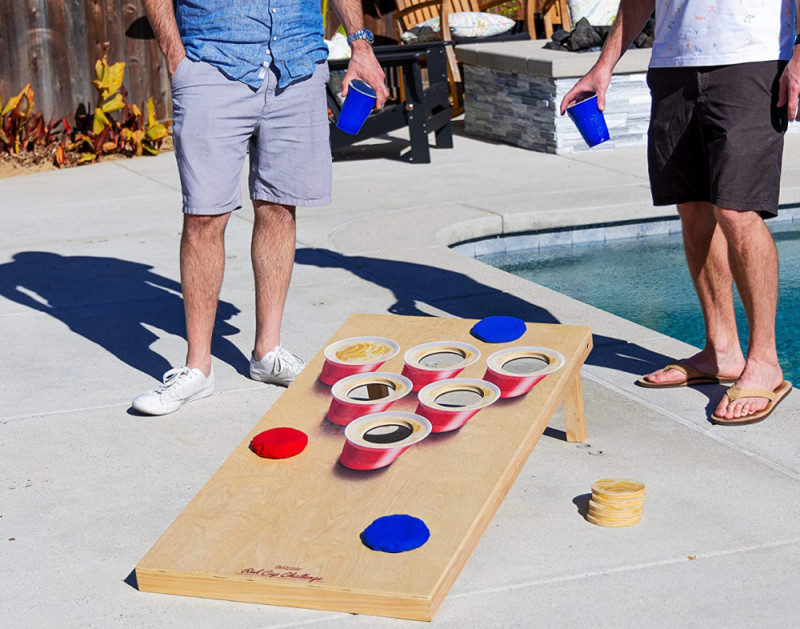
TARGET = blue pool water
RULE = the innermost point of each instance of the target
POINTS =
(646, 280)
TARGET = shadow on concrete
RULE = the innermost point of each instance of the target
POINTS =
(714, 393)
(582, 503)
(461, 296)
(460, 130)
(555, 433)
(385, 147)
(110, 302)
(132, 580)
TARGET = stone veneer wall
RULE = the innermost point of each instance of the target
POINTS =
(521, 109)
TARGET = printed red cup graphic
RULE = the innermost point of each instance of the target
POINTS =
(440, 360)
(376, 440)
(517, 370)
(366, 393)
(449, 404)
(360, 354)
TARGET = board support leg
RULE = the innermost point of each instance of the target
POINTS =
(574, 416)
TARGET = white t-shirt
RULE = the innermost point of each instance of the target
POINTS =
(722, 32)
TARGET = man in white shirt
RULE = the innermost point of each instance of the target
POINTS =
(724, 78)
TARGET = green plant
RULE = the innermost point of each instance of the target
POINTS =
(131, 135)
(509, 9)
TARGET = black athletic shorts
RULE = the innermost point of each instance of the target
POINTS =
(716, 135)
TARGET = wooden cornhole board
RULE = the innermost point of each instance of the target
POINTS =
(286, 532)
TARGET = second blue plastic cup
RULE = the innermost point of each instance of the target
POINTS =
(356, 107)
(590, 121)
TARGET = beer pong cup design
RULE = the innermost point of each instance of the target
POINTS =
(436, 401)
(431, 362)
(590, 121)
(356, 107)
(356, 355)
(376, 440)
(518, 369)
(363, 394)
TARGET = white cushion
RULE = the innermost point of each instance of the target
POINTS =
(470, 24)
(464, 24)
(598, 12)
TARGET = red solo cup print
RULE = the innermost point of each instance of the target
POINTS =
(356, 355)
(449, 404)
(363, 394)
(431, 362)
(518, 369)
(376, 440)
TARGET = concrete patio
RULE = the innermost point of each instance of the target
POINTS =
(91, 316)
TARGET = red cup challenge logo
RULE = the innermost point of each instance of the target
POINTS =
(281, 572)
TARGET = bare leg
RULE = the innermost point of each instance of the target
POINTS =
(707, 257)
(202, 268)
(272, 252)
(754, 263)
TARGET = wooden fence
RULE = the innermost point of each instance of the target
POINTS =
(54, 44)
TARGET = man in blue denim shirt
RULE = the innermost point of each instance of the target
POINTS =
(250, 73)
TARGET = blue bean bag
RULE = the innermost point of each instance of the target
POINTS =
(395, 533)
(498, 329)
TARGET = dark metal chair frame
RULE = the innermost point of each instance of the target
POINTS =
(422, 109)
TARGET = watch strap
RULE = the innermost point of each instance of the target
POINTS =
(364, 34)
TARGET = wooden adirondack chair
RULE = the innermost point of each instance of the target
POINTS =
(554, 12)
(410, 13)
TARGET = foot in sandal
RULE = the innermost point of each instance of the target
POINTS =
(698, 369)
(756, 393)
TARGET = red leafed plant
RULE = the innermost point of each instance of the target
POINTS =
(113, 127)
(22, 130)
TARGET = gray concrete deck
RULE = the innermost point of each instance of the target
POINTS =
(91, 316)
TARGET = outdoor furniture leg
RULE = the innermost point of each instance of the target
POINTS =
(437, 76)
(574, 416)
(415, 108)
(444, 137)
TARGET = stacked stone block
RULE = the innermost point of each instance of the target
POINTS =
(522, 110)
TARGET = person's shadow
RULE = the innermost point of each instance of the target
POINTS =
(111, 302)
(461, 296)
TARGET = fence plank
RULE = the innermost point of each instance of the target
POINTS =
(81, 71)
(9, 50)
(56, 58)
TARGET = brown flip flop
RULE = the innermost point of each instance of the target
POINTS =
(774, 397)
(693, 376)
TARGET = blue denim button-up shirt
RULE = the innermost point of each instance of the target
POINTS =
(244, 37)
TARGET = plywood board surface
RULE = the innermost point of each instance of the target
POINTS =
(287, 531)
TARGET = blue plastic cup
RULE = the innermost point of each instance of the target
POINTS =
(356, 107)
(590, 121)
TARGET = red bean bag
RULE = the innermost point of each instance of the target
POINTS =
(279, 443)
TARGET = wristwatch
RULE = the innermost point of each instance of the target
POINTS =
(797, 39)
(364, 34)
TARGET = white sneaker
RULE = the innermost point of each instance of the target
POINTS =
(180, 385)
(279, 366)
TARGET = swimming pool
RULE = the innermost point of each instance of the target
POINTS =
(646, 280)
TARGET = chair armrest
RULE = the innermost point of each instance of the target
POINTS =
(395, 55)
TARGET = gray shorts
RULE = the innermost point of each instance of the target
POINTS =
(215, 118)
